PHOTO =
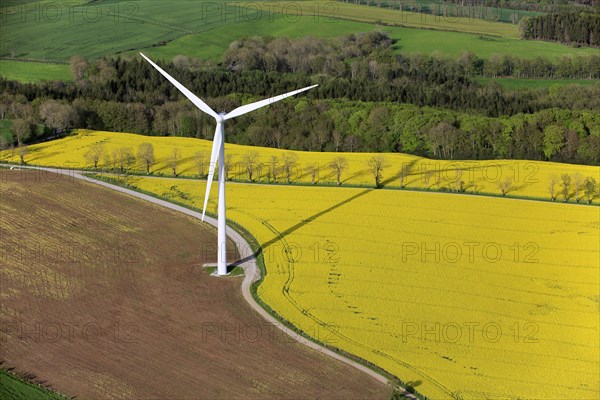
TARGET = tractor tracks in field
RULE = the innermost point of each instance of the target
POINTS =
(330, 329)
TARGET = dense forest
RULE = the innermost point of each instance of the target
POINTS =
(534, 5)
(371, 55)
(331, 125)
(572, 28)
(493, 10)
(369, 99)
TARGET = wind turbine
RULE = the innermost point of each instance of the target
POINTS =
(218, 154)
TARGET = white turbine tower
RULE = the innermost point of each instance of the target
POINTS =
(218, 154)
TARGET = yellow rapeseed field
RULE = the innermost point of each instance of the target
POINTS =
(522, 178)
(463, 297)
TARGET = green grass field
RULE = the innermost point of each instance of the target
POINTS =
(12, 388)
(327, 10)
(514, 83)
(33, 71)
(47, 31)
(213, 43)
(58, 30)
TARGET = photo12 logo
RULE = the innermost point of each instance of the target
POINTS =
(67, 331)
(261, 12)
(70, 12)
(469, 332)
(470, 252)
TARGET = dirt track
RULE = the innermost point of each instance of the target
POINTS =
(101, 301)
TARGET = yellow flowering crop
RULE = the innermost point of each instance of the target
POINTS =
(521, 178)
(461, 296)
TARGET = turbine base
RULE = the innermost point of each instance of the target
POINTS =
(230, 269)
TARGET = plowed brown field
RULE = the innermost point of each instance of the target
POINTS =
(103, 296)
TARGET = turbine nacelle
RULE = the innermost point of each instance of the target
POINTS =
(218, 151)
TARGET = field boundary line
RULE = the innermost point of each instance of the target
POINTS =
(248, 264)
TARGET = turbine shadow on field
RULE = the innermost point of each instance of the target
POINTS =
(304, 222)
(314, 217)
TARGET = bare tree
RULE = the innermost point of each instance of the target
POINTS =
(78, 67)
(107, 161)
(458, 182)
(124, 157)
(505, 186)
(57, 115)
(199, 159)
(590, 189)
(338, 139)
(274, 168)
(145, 154)
(277, 138)
(565, 186)
(250, 162)
(181, 61)
(376, 165)
(260, 167)
(289, 162)
(227, 165)
(352, 143)
(552, 187)
(427, 178)
(94, 154)
(115, 158)
(338, 165)
(23, 150)
(21, 130)
(313, 170)
(578, 182)
(404, 171)
(174, 160)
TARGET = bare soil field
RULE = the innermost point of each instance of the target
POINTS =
(103, 296)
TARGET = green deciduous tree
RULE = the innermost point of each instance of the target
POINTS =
(553, 140)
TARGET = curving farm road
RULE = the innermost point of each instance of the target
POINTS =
(251, 270)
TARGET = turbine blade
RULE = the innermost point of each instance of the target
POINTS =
(214, 157)
(194, 99)
(254, 106)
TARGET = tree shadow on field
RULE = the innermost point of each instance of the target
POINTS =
(397, 176)
(281, 235)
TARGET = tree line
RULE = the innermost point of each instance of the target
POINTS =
(543, 5)
(287, 169)
(370, 56)
(484, 9)
(568, 27)
(573, 187)
(334, 125)
(354, 109)
(426, 81)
